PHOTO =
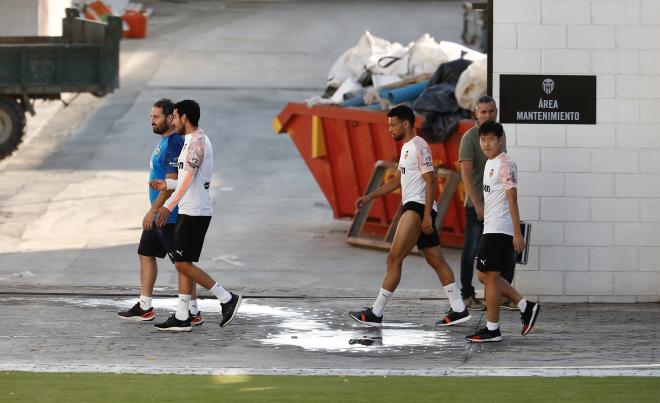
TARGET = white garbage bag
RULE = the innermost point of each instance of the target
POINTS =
(471, 85)
(426, 55)
(455, 50)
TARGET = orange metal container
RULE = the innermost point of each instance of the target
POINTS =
(340, 147)
(137, 24)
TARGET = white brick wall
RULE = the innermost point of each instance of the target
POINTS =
(591, 191)
(591, 36)
(649, 111)
(617, 110)
(589, 283)
(546, 36)
(564, 258)
(541, 184)
(565, 160)
(649, 62)
(541, 135)
(564, 209)
(650, 12)
(565, 12)
(638, 37)
(590, 185)
(613, 259)
(540, 282)
(650, 210)
(591, 136)
(614, 210)
(518, 12)
(637, 135)
(505, 34)
(565, 61)
(624, 12)
(615, 61)
(528, 159)
(616, 161)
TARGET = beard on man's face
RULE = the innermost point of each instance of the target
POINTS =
(159, 129)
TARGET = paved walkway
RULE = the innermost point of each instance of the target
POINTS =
(306, 335)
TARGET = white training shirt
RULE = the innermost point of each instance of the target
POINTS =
(415, 161)
(500, 174)
(195, 167)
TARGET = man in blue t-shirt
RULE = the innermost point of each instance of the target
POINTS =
(159, 241)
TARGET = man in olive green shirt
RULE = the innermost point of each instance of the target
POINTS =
(473, 162)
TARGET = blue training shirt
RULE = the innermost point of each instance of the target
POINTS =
(163, 162)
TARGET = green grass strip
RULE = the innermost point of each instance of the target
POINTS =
(86, 387)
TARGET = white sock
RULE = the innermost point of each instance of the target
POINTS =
(379, 305)
(455, 299)
(182, 309)
(492, 326)
(220, 293)
(192, 307)
(522, 305)
(145, 302)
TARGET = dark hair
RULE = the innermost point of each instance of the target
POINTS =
(189, 108)
(166, 105)
(485, 99)
(403, 113)
(491, 127)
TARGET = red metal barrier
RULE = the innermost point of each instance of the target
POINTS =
(340, 147)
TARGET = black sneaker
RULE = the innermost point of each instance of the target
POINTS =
(230, 308)
(137, 314)
(528, 317)
(196, 319)
(454, 318)
(367, 317)
(484, 335)
(173, 324)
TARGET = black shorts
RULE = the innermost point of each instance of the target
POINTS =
(495, 251)
(157, 242)
(189, 236)
(424, 241)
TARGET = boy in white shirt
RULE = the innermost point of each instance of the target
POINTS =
(501, 235)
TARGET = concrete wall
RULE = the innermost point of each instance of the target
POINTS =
(591, 191)
(32, 17)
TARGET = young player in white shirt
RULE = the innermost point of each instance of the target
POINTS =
(501, 235)
(191, 194)
(416, 178)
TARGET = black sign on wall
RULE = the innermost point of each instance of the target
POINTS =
(548, 99)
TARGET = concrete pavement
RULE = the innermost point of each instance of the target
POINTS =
(315, 336)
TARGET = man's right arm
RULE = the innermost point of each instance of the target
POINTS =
(466, 175)
(387, 187)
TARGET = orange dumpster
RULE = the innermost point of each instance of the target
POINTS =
(340, 147)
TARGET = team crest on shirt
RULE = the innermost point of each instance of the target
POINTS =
(491, 173)
(157, 150)
(405, 155)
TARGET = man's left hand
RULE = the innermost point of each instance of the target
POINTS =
(427, 224)
(163, 215)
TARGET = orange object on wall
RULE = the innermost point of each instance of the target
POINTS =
(97, 11)
(137, 24)
(340, 147)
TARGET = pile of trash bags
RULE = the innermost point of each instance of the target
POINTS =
(441, 81)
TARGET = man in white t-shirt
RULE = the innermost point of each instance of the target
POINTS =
(191, 194)
(416, 178)
(501, 235)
